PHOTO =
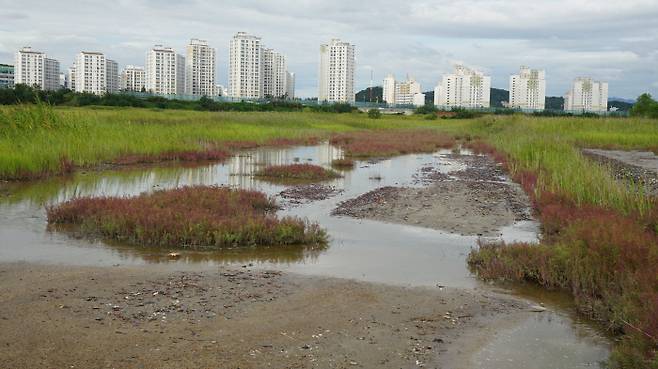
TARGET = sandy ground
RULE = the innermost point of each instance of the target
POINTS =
(76, 317)
(640, 167)
(473, 201)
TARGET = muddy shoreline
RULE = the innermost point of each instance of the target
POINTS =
(77, 317)
(476, 200)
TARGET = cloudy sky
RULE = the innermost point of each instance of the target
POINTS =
(611, 40)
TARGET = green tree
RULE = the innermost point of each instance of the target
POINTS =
(645, 106)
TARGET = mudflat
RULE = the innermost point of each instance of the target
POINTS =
(129, 317)
(476, 200)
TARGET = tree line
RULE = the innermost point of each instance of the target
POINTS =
(23, 94)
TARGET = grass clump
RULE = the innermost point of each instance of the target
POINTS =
(344, 163)
(391, 143)
(297, 172)
(199, 217)
(600, 243)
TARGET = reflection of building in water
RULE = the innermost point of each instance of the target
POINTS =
(243, 166)
(236, 172)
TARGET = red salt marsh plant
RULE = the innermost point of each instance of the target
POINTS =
(607, 259)
(198, 217)
(391, 143)
(297, 172)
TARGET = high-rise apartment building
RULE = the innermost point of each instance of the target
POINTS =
(91, 72)
(587, 95)
(29, 67)
(336, 76)
(402, 93)
(388, 90)
(132, 78)
(71, 78)
(33, 68)
(406, 91)
(464, 88)
(50, 74)
(6, 76)
(245, 76)
(200, 69)
(274, 74)
(165, 71)
(112, 75)
(290, 85)
(527, 90)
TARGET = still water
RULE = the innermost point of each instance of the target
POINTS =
(359, 249)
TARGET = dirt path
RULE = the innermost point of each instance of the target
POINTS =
(74, 317)
(473, 201)
(640, 167)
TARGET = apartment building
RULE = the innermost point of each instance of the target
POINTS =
(587, 95)
(112, 75)
(245, 76)
(290, 85)
(336, 74)
(527, 89)
(274, 74)
(34, 68)
(464, 87)
(165, 71)
(132, 78)
(6, 76)
(200, 68)
(91, 72)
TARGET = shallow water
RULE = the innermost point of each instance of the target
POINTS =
(360, 249)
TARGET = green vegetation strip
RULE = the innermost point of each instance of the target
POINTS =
(197, 217)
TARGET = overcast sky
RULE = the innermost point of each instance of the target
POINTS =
(615, 41)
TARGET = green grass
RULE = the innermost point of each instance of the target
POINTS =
(36, 139)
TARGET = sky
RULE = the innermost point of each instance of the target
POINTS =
(609, 40)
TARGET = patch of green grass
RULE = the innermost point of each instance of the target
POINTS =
(37, 140)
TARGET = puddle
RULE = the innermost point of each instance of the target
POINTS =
(399, 254)
(360, 249)
(557, 336)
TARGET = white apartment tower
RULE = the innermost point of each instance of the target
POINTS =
(133, 79)
(274, 74)
(388, 90)
(464, 88)
(587, 95)
(406, 91)
(200, 68)
(290, 85)
(336, 77)
(91, 73)
(112, 75)
(245, 73)
(165, 71)
(527, 90)
(33, 68)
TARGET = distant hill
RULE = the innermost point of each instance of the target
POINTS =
(498, 95)
(367, 95)
(622, 99)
